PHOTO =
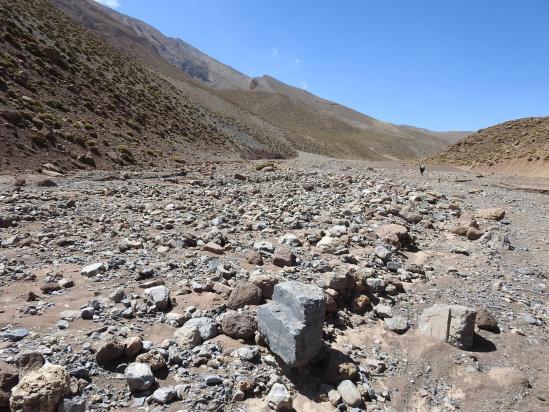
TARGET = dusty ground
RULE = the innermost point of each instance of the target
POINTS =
(504, 371)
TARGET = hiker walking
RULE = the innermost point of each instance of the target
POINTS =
(421, 169)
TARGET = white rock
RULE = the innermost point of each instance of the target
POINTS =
(279, 398)
(139, 376)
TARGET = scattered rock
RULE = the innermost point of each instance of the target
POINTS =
(490, 214)
(244, 293)
(139, 376)
(279, 398)
(239, 325)
(485, 320)
(349, 393)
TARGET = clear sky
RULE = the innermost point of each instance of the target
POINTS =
(439, 64)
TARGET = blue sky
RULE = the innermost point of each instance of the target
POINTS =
(439, 64)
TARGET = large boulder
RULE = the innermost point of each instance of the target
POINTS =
(454, 324)
(40, 390)
(292, 323)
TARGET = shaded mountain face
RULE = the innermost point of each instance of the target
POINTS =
(67, 96)
(182, 55)
(313, 124)
(523, 139)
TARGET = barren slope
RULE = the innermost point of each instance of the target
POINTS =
(64, 94)
(314, 124)
(520, 146)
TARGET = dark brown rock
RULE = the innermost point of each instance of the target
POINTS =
(486, 321)
(109, 351)
(8, 379)
(283, 257)
(245, 293)
(239, 325)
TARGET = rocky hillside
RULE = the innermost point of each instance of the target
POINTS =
(67, 96)
(338, 130)
(316, 125)
(523, 139)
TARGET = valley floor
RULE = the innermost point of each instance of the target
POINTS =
(197, 233)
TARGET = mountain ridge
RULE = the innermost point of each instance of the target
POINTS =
(351, 134)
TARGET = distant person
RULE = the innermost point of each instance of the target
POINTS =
(421, 169)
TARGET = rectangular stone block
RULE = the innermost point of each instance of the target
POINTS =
(292, 323)
(454, 324)
(305, 302)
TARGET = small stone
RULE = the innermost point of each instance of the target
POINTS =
(253, 257)
(139, 376)
(454, 324)
(213, 248)
(132, 346)
(397, 324)
(152, 358)
(279, 398)
(330, 244)
(349, 393)
(126, 244)
(118, 295)
(290, 239)
(247, 353)
(383, 311)
(245, 293)
(490, 214)
(187, 336)
(164, 395)
(211, 380)
(160, 296)
(93, 269)
(486, 321)
(15, 335)
(292, 323)
(206, 326)
(108, 352)
(347, 370)
(283, 257)
(66, 283)
(239, 325)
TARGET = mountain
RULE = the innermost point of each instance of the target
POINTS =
(314, 124)
(68, 97)
(521, 146)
